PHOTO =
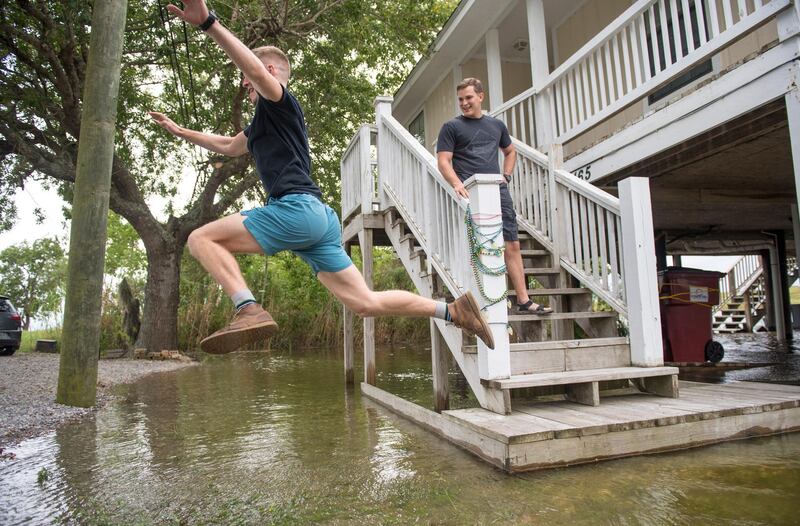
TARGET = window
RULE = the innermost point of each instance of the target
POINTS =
(417, 127)
(694, 73)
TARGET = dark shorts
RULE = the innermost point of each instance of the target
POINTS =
(510, 232)
(303, 224)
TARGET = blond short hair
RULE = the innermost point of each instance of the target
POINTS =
(276, 55)
(470, 81)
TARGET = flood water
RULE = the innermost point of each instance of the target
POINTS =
(276, 438)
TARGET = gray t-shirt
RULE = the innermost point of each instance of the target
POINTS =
(474, 143)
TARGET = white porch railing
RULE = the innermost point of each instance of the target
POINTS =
(584, 227)
(651, 43)
(605, 242)
(410, 179)
(359, 188)
(738, 279)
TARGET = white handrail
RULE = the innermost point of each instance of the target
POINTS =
(588, 238)
(740, 277)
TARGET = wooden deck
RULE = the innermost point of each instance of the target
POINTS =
(541, 435)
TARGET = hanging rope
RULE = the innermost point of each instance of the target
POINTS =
(484, 244)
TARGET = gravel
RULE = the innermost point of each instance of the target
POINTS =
(28, 383)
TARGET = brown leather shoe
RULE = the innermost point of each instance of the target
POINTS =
(249, 325)
(466, 315)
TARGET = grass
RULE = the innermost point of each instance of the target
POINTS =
(29, 338)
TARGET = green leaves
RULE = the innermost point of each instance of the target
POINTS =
(34, 276)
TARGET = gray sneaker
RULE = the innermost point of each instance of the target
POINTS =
(466, 315)
(249, 325)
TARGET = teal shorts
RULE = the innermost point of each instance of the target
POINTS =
(303, 224)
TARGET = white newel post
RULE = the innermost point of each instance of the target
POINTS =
(364, 171)
(383, 106)
(484, 198)
(639, 262)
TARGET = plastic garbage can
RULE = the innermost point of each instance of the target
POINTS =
(687, 296)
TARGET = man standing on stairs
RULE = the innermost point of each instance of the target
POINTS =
(467, 146)
(295, 219)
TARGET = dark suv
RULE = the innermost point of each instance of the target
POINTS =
(10, 328)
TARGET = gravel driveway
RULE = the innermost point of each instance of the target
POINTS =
(28, 384)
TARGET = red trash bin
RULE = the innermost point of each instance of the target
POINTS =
(687, 296)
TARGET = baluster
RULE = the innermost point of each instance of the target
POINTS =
(654, 40)
(701, 21)
(617, 68)
(662, 11)
(579, 98)
(596, 105)
(602, 79)
(595, 259)
(603, 253)
(758, 4)
(561, 106)
(534, 217)
(586, 264)
(571, 90)
(524, 123)
(642, 45)
(576, 231)
(609, 74)
(513, 119)
(586, 89)
(726, 9)
(676, 29)
(529, 167)
(742, 9)
(622, 293)
(635, 49)
(616, 272)
(687, 23)
(712, 14)
(626, 58)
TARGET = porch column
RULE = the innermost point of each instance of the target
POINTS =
(792, 99)
(494, 68)
(540, 69)
(537, 42)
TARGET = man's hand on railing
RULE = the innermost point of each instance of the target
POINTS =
(460, 190)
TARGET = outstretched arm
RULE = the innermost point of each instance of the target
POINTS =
(232, 146)
(195, 12)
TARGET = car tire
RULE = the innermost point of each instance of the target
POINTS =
(7, 351)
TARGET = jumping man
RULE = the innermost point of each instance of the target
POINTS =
(295, 218)
(468, 145)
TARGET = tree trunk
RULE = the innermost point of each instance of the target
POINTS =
(159, 330)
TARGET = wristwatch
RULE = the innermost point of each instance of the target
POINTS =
(212, 17)
(507, 177)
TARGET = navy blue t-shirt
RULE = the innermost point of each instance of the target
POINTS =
(474, 143)
(278, 141)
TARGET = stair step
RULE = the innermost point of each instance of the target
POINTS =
(556, 344)
(553, 292)
(408, 237)
(535, 271)
(531, 253)
(561, 316)
(417, 252)
(579, 377)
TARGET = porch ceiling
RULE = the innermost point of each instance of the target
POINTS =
(733, 179)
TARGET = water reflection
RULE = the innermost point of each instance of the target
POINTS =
(257, 438)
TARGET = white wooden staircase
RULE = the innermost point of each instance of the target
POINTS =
(582, 248)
